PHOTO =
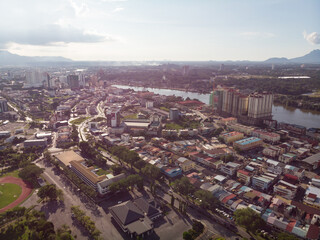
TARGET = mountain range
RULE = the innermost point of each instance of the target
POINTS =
(9, 59)
(311, 57)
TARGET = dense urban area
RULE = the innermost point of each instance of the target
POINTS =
(85, 156)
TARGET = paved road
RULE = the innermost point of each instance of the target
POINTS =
(61, 214)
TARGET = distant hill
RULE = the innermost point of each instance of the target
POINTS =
(277, 60)
(312, 57)
(7, 58)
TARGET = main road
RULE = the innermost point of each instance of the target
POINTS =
(62, 214)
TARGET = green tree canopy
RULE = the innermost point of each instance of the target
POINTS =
(249, 219)
(183, 186)
(30, 173)
(50, 192)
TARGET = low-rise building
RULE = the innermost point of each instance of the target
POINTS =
(241, 128)
(266, 136)
(186, 164)
(287, 157)
(35, 143)
(285, 189)
(230, 168)
(271, 151)
(248, 143)
(103, 186)
(135, 217)
(312, 162)
(231, 137)
(244, 176)
(262, 182)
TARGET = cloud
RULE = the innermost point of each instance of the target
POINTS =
(253, 35)
(118, 9)
(52, 34)
(313, 38)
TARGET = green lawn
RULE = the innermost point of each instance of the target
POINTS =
(12, 174)
(79, 120)
(102, 172)
(131, 116)
(173, 126)
(8, 193)
(165, 109)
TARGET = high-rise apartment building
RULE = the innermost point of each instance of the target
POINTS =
(3, 105)
(36, 78)
(260, 105)
(73, 81)
(113, 118)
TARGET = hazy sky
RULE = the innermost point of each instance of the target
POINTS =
(160, 29)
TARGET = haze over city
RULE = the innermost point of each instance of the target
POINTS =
(160, 30)
(160, 120)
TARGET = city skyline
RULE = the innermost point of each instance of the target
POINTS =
(146, 30)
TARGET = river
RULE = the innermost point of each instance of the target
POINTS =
(280, 113)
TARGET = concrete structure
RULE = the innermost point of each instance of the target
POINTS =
(86, 173)
(230, 168)
(36, 79)
(66, 157)
(248, 143)
(262, 182)
(135, 217)
(244, 176)
(312, 162)
(267, 136)
(113, 118)
(174, 114)
(271, 151)
(186, 164)
(285, 189)
(3, 105)
(5, 134)
(149, 104)
(241, 128)
(103, 186)
(231, 137)
(43, 135)
(260, 105)
(35, 143)
(73, 81)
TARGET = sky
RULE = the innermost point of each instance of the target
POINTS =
(150, 30)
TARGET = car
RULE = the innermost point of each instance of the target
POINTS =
(119, 202)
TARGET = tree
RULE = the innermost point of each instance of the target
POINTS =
(50, 192)
(30, 173)
(116, 169)
(64, 233)
(249, 219)
(183, 186)
(207, 199)
(187, 236)
(131, 158)
(286, 236)
(152, 172)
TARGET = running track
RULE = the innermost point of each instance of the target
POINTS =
(26, 191)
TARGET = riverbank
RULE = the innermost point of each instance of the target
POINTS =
(165, 88)
(280, 113)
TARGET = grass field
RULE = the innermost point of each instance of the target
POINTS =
(8, 193)
(79, 120)
(12, 174)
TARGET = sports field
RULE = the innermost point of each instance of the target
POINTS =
(9, 192)
(14, 191)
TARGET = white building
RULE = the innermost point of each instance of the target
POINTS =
(260, 105)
